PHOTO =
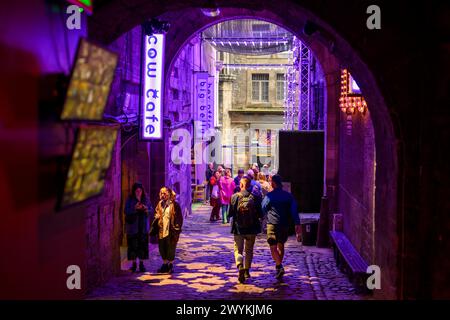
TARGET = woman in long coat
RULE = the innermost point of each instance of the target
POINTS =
(137, 211)
(170, 221)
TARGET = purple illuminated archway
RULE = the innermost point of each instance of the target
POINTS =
(331, 50)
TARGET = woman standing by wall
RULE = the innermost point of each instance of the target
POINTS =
(215, 196)
(227, 186)
(170, 221)
(137, 209)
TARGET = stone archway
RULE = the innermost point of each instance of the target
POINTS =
(186, 19)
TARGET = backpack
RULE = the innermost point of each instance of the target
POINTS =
(246, 211)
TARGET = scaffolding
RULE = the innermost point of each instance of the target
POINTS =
(304, 86)
(297, 104)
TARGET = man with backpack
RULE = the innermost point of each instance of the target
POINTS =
(245, 209)
(279, 205)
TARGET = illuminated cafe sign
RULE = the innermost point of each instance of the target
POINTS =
(151, 125)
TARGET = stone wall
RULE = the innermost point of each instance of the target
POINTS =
(104, 227)
(357, 182)
(242, 87)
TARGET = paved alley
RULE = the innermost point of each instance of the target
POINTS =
(204, 269)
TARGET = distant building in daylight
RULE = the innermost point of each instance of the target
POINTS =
(251, 98)
(252, 92)
(248, 70)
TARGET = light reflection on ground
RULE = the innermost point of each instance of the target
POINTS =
(205, 269)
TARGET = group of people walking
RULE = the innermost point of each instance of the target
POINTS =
(248, 202)
(255, 202)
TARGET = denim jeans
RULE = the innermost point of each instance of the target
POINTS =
(225, 208)
(241, 241)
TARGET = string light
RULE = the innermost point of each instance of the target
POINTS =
(349, 101)
(256, 66)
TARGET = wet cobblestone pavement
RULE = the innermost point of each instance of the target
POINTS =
(204, 269)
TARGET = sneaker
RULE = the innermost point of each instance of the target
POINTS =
(141, 267)
(133, 267)
(164, 268)
(279, 273)
(247, 273)
(241, 277)
(170, 268)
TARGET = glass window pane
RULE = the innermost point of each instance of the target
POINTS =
(265, 91)
(255, 90)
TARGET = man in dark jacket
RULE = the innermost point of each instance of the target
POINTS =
(245, 209)
(278, 205)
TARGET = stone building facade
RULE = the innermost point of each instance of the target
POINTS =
(251, 106)
(251, 102)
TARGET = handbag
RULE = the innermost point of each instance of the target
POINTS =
(154, 228)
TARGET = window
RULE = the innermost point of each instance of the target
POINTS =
(260, 87)
(260, 29)
(280, 86)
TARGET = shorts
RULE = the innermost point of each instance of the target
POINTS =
(277, 234)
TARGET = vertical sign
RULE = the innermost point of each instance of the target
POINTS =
(201, 104)
(211, 96)
(151, 115)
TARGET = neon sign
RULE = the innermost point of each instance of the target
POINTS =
(151, 125)
(85, 4)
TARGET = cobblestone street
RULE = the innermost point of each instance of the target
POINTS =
(204, 269)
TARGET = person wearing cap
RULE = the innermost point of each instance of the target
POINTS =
(278, 205)
(137, 213)
(237, 180)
